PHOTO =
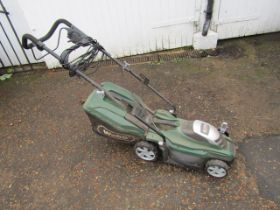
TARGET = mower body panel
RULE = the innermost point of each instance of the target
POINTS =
(188, 151)
(180, 147)
(101, 108)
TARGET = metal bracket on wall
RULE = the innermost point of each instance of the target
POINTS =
(4, 12)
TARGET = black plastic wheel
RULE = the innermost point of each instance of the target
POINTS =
(146, 151)
(216, 168)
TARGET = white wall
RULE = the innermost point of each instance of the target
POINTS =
(246, 17)
(129, 27)
(123, 27)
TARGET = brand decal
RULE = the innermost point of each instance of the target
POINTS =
(105, 131)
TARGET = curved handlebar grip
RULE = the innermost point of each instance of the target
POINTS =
(25, 39)
(38, 42)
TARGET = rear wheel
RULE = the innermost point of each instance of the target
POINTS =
(146, 151)
(217, 168)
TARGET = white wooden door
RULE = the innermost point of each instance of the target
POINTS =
(237, 18)
(123, 27)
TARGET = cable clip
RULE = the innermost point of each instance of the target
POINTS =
(125, 65)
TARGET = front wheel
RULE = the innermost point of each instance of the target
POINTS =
(217, 168)
(146, 151)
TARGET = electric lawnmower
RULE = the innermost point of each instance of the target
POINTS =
(119, 114)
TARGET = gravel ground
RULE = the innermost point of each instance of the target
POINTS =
(50, 158)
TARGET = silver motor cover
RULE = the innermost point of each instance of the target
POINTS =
(207, 131)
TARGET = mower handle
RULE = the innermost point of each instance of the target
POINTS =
(39, 42)
(78, 38)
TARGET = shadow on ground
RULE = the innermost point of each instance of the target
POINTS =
(50, 159)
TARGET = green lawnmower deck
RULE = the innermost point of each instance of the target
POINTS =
(99, 107)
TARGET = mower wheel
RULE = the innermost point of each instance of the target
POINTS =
(146, 151)
(216, 168)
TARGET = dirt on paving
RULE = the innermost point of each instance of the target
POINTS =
(51, 159)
